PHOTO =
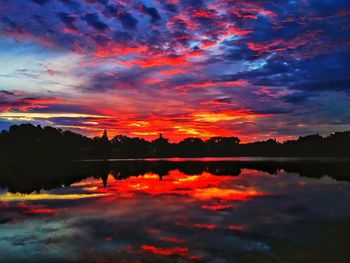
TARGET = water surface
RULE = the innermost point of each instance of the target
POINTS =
(176, 210)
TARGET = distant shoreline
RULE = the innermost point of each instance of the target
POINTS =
(223, 159)
(276, 159)
(27, 141)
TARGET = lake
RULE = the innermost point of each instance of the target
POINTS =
(176, 210)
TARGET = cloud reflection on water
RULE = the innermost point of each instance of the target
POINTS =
(192, 217)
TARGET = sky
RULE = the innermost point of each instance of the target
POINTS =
(184, 68)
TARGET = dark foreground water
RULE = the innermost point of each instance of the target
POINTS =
(207, 210)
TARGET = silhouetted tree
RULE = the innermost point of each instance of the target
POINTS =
(104, 137)
(102, 145)
(123, 146)
(192, 147)
(223, 146)
(161, 147)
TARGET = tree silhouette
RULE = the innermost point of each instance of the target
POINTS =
(161, 146)
(223, 146)
(104, 137)
(192, 147)
(123, 146)
(27, 141)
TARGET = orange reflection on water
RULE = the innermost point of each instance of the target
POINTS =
(41, 211)
(179, 251)
(197, 225)
(10, 197)
(236, 227)
(225, 194)
(205, 226)
(173, 240)
(27, 208)
(202, 187)
(170, 251)
(153, 231)
(217, 207)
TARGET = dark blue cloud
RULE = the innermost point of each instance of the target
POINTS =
(127, 20)
(11, 26)
(122, 37)
(41, 2)
(297, 98)
(70, 3)
(68, 19)
(152, 12)
(94, 21)
(171, 8)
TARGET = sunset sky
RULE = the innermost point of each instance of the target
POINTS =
(252, 69)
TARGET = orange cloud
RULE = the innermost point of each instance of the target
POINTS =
(217, 103)
(158, 61)
(173, 240)
(216, 207)
(237, 31)
(240, 83)
(171, 72)
(24, 104)
(151, 80)
(207, 43)
(227, 115)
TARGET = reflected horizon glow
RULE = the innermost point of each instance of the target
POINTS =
(10, 197)
(200, 187)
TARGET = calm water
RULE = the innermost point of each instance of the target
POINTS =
(210, 210)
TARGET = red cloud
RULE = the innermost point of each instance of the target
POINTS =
(17, 101)
(117, 50)
(250, 10)
(207, 43)
(282, 45)
(182, 19)
(216, 207)
(237, 31)
(156, 60)
(204, 13)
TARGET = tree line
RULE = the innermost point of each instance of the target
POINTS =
(29, 141)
